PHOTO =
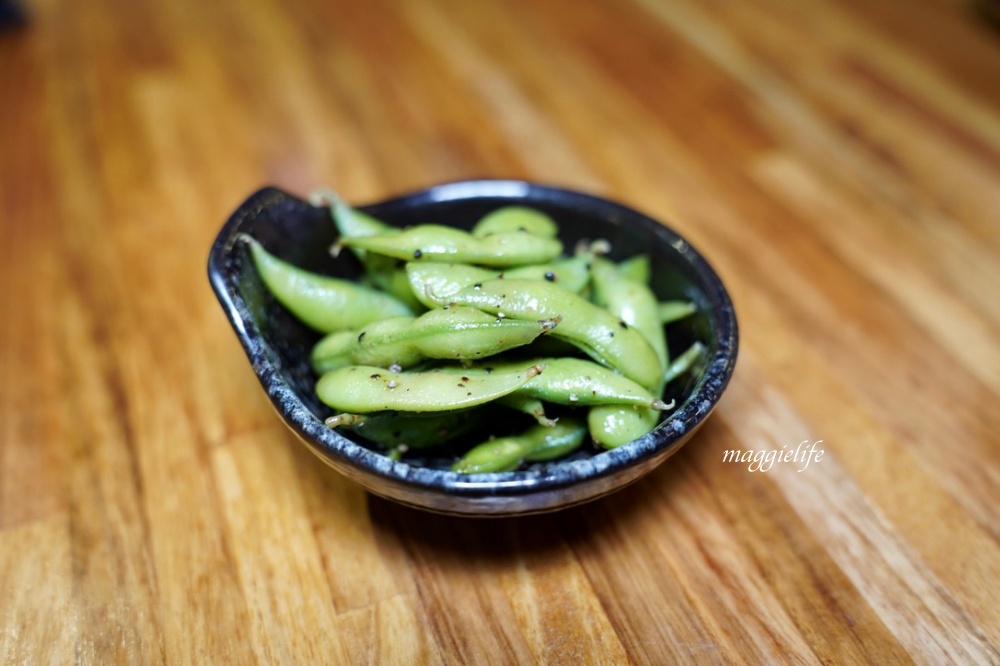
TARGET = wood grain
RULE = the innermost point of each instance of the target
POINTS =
(839, 164)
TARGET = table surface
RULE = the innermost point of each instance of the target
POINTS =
(837, 162)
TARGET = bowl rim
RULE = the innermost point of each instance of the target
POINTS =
(358, 461)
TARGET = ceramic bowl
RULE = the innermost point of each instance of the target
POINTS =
(278, 346)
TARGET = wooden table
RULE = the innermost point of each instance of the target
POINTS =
(838, 162)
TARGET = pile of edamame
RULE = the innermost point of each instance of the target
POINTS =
(449, 330)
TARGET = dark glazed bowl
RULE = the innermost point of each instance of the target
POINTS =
(278, 346)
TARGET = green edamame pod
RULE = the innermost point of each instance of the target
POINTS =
(577, 381)
(529, 405)
(684, 362)
(352, 223)
(333, 351)
(435, 242)
(632, 302)
(671, 311)
(636, 268)
(322, 302)
(562, 444)
(452, 333)
(348, 220)
(406, 429)
(384, 344)
(432, 283)
(573, 381)
(384, 272)
(548, 345)
(592, 329)
(571, 273)
(504, 454)
(513, 219)
(468, 334)
(394, 281)
(612, 426)
(636, 304)
(362, 389)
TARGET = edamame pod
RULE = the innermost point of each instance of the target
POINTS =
(561, 445)
(362, 389)
(684, 362)
(384, 343)
(470, 334)
(505, 454)
(526, 404)
(352, 223)
(516, 218)
(384, 272)
(451, 333)
(433, 283)
(577, 381)
(636, 304)
(333, 351)
(592, 329)
(322, 302)
(636, 268)
(632, 302)
(671, 311)
(611, 427)
(571, 273)
(406, 429)
(435, 242)
(574, 381)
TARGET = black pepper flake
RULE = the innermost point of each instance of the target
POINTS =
(622, 324)
(478, 285)
(417, 254)
(376, 376)
(550, 276)
(461, 385)
(362, 334)
(465, 379)
(469, 393)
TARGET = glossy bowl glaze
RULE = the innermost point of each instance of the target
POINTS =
(278, 346)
